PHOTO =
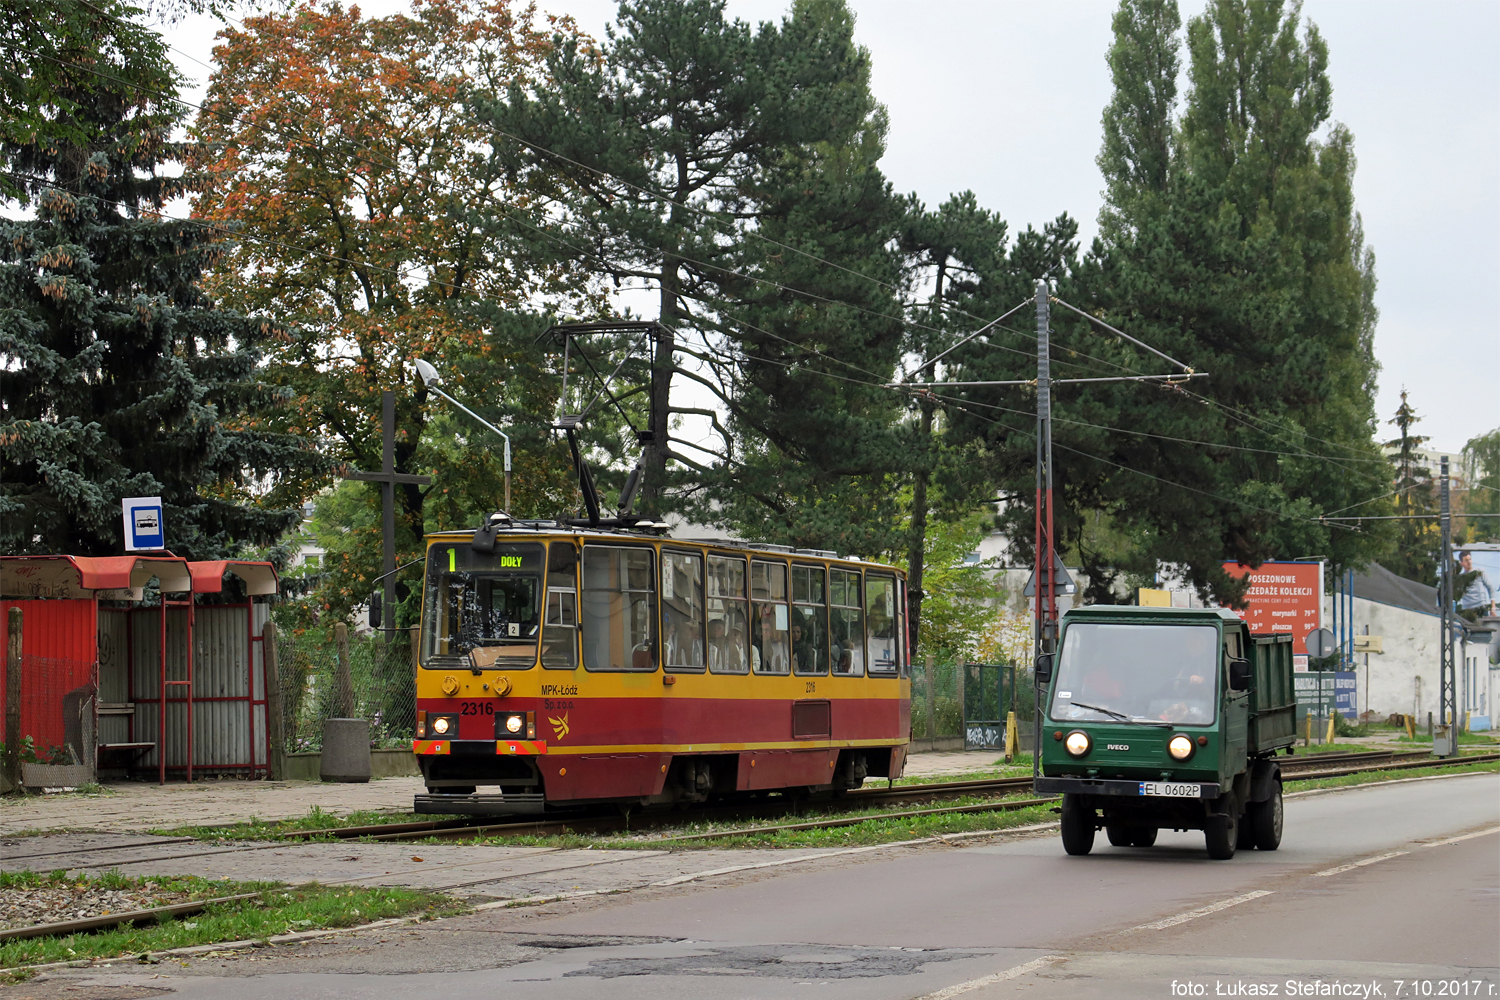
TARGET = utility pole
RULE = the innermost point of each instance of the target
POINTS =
(388, 477)
(1046, 596)
(1447, 671)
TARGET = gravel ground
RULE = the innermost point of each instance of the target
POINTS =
(47, 904)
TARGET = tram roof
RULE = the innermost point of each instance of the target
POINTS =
(532, 529)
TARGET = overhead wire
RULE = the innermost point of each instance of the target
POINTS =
(780, 286)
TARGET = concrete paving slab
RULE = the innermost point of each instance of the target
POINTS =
(142, 806)
(139, 806)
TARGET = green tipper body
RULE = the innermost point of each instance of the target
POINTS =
(1232, 757)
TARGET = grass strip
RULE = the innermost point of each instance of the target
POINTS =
(316, 821)
(277, 909)
(1367, 777)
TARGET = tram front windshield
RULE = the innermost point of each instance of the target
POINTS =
(1139, 673)
(482, 608)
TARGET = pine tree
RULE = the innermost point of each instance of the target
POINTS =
(122, 378)
(1412, 556)
(666, 150)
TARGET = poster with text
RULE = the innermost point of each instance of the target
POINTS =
(1283, 597)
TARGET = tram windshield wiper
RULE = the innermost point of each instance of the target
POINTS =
(1120, 715)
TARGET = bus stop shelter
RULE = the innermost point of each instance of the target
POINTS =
(126, 685)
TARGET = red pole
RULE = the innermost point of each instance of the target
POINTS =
(161, 723)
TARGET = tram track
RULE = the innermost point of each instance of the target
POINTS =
(1312, 765)
(1306, 767)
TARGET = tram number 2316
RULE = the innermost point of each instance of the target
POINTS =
(476, 708)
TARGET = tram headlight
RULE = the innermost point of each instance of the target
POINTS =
(1180, 747)
(441, 724)
(513, 723)
(1077, 743)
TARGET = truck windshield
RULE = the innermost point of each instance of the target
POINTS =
(484, 604)
(1145, 673)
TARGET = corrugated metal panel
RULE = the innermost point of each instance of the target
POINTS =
(114, 656)
(62, 629)
(58, 654)
(219, 649)
(146, 680)
(228, 728)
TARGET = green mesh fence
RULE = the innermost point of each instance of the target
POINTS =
(381, 681)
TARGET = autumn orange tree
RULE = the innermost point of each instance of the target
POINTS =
(339, 149)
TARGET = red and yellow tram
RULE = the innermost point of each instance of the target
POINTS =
(571, 666)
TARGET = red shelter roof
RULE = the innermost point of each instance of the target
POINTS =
(123, 577)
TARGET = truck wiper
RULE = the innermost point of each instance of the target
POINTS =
(1107, 711)
(1120, 715)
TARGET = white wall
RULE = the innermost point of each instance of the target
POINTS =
(1404, 678)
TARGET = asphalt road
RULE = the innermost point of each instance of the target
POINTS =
(1395, 888)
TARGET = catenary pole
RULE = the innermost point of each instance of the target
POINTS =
(1447, 679)
(1046, 599)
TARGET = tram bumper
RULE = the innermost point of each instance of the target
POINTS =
(481, 804)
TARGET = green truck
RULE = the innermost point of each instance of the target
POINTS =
(1165, 718)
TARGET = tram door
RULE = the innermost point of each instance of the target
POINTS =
(618, 620)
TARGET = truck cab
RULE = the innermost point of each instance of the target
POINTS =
(1165, 718)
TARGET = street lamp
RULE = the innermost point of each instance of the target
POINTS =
(430, 379)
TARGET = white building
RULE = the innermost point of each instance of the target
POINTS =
(1403, 677)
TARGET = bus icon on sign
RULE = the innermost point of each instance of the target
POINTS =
(143, 524)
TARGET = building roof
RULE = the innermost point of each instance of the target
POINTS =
(124, 577)
(1380, 585)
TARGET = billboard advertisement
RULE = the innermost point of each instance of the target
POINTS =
(1283, 597)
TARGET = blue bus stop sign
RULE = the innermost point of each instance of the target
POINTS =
(144, 531)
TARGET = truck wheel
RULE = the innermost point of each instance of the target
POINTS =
(1245, 839)
(1077, 826)
(1265, 821)
(1143, 836)
(1120, 836)
(1221, 834)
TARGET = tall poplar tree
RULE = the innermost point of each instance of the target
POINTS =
(1229, 240)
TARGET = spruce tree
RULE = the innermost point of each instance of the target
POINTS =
(122, 378)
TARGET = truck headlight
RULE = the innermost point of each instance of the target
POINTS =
(1180, 747)
(1077, 743)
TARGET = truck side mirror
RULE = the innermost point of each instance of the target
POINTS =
(1239, 674)
(1044, 668)
(375, 609)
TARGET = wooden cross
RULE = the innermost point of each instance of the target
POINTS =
(388, 477)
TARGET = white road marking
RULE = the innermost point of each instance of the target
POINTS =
(1463, 836)
(1202, 911)
(997, 977)
(1356, 864)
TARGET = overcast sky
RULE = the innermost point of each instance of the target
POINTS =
(1004, 98)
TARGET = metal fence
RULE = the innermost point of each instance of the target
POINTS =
(970, 700)
(57, 710)
(378, 684)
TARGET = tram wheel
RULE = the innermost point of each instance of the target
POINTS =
(1077, 826)
(1265, 821)
(1221, 835)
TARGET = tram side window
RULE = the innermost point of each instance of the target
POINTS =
(728, 617)
(560, 628)
(619, 608)
(809, 636)
(880, 618)
(902, 636)
(846, 625)
(682, 610)
(769, 619)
